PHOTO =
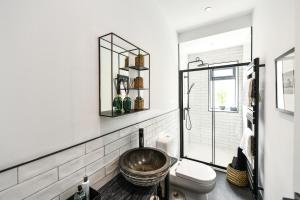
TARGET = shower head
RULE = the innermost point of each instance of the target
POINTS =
(189, 91)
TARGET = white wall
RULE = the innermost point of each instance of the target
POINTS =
(297, 114)
(274, 34)
(49, 70)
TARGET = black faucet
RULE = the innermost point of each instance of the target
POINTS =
(141, 138)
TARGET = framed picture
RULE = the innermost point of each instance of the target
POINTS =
(285, 82)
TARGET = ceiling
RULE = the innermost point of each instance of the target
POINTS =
(218, 41)
(188, 14)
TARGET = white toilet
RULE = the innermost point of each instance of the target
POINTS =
(191, 179)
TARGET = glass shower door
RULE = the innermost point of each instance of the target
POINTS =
(197, 119)
(228, 120)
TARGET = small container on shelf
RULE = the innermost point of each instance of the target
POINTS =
(117, 104)
(127, 104)
(126, 65)
(139, 60)
(139, 103)
(138, 83)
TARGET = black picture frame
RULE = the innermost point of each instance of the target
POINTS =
(285, 82)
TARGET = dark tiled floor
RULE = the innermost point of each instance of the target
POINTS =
(227, 191)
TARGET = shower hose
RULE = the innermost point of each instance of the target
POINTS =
(188, 122)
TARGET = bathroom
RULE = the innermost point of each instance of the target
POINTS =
(61, 94)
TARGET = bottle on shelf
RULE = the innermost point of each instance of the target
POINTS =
(80, 194)
(86, 187)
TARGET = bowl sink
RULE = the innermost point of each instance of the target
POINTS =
(144, 166)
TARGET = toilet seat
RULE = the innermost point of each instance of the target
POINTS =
(196, 172)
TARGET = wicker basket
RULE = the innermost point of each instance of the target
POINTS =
(237, 177)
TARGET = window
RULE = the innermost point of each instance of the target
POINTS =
(223, 88)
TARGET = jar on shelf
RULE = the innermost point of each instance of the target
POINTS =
(117, 104)
(127, 104)
(126, 62)
(139, 60)
(139, 103)
(138, 83)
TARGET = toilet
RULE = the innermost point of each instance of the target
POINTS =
(192, 179)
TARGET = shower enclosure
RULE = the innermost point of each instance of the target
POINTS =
(211, 111)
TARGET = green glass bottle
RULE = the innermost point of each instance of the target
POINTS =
(127, 104)
(117, 104)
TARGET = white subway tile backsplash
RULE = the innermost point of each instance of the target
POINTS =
(8, 179)
(100, 142)
(69, 192)
(111, 137)
(97, 176)
(125, 148)
(56, 177)
(92, 168)
(135, 143)
(127, 131)
(95, 144)
(37, 167)
(134, 136)
(112, 167)
(103, 181)
(30, 186)
(74, 165)
(58, 187)
(117, 144)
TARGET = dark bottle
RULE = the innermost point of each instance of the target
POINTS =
(127, 104)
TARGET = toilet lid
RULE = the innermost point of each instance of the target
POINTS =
(195, 171)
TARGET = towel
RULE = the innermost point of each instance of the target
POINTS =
(250, 92)
(246, 144)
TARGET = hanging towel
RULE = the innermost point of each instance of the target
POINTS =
(246, 144)
(251, 92)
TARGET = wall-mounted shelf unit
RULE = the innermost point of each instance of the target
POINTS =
(124, 71)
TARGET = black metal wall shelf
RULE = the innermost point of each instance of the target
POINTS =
(116, 114)
(136, 89)
(120, 58)
(134, 67)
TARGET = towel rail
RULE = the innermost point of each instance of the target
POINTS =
(252, 118)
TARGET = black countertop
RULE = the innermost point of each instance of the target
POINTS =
(120, 189)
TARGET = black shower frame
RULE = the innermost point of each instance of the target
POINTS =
(181, 72)
(254, 65)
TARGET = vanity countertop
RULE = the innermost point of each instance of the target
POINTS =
(120, 189)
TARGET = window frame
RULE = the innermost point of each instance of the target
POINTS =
(211, 79)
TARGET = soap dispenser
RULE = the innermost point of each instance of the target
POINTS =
(86, 187)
